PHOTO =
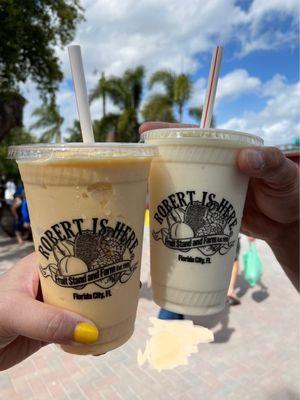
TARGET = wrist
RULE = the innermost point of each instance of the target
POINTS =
(285, 245)
(285, 235)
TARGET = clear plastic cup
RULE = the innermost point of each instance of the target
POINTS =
(197, 196)
(86, 205)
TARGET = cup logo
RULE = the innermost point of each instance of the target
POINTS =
(189, 223)
(77, 257)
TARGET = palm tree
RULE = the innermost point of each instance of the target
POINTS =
(100, 91)
(158, 108)
(182, 92)
(101, 128)
(105, 128)
(49, 118)
(196, 113)
(126, 93)
(178, 89)
(75, 132)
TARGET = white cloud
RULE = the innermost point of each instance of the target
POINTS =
(33, 101)
(270, 40)
(236, 83)
(274, 86)
(278, 121)
(198, 95)
(120, 34)
(230, 86)
(254, 36)
(260, 8)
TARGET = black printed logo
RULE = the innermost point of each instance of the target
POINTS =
(77, 257)
(189, 223)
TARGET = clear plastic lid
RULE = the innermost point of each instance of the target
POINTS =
(80, 151)
(209, 134)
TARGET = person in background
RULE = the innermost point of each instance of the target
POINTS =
(271, 213)
(232, 299)
(25, 217)
(166, 314)
(2, 187)
(20, 212)
(10, 190)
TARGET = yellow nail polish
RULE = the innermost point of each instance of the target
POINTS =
(85, 333)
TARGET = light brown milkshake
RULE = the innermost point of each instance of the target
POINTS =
(86, 207)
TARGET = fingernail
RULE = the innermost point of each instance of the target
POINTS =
(85, 333)
(255, 159)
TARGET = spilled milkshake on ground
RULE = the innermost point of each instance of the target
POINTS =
(171, 343)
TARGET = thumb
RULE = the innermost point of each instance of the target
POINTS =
(270, 165)
(36, 320)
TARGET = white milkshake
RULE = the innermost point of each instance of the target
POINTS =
(197, 196)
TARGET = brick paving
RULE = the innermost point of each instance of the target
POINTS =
(255, 354)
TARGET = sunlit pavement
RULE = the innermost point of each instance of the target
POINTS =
(255, 354)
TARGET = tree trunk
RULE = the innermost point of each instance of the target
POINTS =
(103, 95)
(58, 136)
(104, 104)
(11, 112)
(180, 112)
(111, 136)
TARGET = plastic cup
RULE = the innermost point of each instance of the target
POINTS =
(87, 206)
(197, 196)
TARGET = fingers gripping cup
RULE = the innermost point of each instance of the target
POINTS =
(86, 205)
(197, 196)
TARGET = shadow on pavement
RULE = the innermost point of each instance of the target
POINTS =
(8, 241)
(209, 321)
(261, 294)
(145, 291)
(16, 252)
(285, 394)
(242, 288)
(222, 335)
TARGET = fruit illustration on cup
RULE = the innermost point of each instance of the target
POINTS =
(195, 221)
(177, 228)
(66, 262)
(180, 230)
(71, 265)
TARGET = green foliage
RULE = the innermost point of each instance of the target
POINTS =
(101, 128)
(17, 136)
(125, 92)
(74, 133)
(48, 117)
(158, 108)
(11, 111)
(196, 113)
(100, 91)
(167, 78)
(105, 126)
(178, 90)
(30, 31)
(182, 92)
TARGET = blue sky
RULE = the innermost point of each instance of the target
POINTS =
(258, 91)
(263, 64)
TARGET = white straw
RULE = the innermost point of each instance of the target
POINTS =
(211, 88)
(81, 94)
